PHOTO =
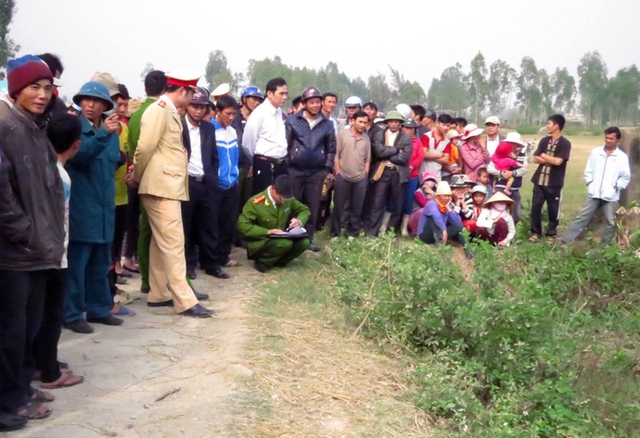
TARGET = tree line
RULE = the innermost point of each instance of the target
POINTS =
(526, 94)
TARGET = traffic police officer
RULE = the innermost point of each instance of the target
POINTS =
(267, 215)
(160, 164)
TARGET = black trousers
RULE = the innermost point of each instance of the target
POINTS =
(133, 223)
(21, 311)
(307, 188)
(264, 172)
(388, 185)
(197, 219)
(552, 196)
(45, 345)
(120, 229)
(351, 193)
(432, 234)
(223, 222)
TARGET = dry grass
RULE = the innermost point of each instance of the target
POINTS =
(319, 378)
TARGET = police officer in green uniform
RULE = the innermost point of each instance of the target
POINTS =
(267, 215)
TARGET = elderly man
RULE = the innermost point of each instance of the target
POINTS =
(606, 174)
(31, 234)
(388, 174)
(160, 164)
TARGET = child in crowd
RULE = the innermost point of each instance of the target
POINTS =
(64, 132)
(484, 180)
(454, 166)
(425, 193)
(478, 196)
(495, 223)
(503, 161)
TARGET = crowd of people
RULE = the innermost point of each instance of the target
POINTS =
(90, 194)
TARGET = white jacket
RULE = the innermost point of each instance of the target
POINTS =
(606, 174)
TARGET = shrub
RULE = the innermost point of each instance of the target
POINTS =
(516, 350)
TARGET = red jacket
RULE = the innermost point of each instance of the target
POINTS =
(417, 155)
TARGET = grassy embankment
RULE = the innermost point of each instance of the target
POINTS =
(530, 341)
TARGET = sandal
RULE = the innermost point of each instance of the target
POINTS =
(65, 381)
(34, 411)
(134, 270)
(534, 238)
(232, 264)
(41, 396)
(122, 311)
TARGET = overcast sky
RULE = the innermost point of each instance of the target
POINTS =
(419, 38)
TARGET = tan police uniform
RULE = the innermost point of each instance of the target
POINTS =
(160, 164)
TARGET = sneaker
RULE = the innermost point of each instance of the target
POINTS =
(79, 326)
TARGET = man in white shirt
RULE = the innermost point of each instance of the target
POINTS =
(264, 139)
(606, 174)
(492, 139)
(437, 147)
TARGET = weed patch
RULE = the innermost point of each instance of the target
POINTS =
(541, 341)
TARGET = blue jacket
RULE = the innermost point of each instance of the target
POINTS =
(310, 149)
(92, 206)
(441, 219)
(228, 154)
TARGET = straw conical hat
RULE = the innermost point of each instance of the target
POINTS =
(499, 197)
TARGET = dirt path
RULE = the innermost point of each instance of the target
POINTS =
(128, 368)
(239, 374)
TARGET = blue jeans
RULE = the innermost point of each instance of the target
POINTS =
(590, 207)
(409, 189)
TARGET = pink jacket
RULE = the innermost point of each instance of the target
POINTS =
(473, 158)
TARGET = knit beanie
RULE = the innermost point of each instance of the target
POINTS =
(24, 71)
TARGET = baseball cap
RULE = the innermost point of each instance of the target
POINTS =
(492, 120)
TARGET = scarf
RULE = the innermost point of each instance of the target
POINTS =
(442, 207)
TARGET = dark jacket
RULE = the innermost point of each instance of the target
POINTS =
(92, 206)
(310, 149)
(31, 197)
(239, 122)
(399, 154)
(209, 151)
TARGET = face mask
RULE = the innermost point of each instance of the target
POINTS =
(431, 184)
(500, 206)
